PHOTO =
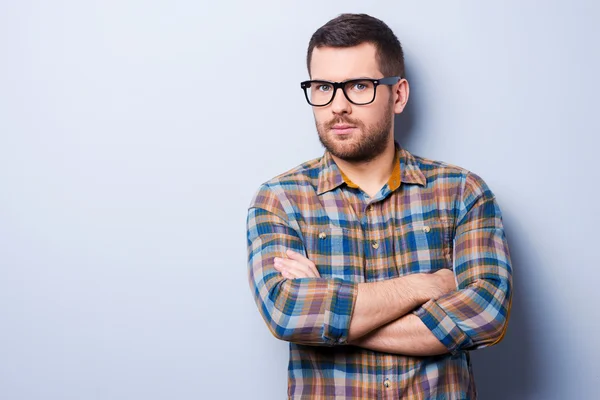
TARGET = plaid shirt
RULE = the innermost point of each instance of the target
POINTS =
(429, 216)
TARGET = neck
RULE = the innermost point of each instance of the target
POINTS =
(371, 175)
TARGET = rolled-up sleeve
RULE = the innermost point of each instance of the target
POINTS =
(307, 310)
(476, 315)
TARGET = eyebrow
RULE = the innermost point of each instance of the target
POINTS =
(349, 79)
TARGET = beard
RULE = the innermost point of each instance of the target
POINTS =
(365, 144)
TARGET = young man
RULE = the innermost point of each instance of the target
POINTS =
(382, 269)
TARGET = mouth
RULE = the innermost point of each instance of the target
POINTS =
(342, 129)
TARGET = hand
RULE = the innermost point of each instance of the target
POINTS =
(443, 283)
(296, 266)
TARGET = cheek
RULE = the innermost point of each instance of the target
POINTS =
(363, 118)
(320, 115)
(374, 116)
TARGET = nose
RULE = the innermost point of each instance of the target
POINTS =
(340, 104)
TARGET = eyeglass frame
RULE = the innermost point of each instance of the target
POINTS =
(388, 80)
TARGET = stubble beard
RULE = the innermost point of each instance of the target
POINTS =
(365, 144)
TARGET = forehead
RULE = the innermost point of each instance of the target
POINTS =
(339, 64)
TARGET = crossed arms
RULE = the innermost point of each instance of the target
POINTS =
(419, 314)
(379, 320)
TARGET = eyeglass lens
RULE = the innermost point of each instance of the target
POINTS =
(357, 91)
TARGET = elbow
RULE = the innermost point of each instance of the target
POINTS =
(501, 325)
(493, 332)
(279, 324)
(315, 313)
(484, 336)
(496, 314)
(497, 332)
(280, 332)
(285, 325)
(292, 332)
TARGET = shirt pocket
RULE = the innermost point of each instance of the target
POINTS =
(423, 246)
(336, 251)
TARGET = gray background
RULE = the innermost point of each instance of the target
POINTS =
(133, 135)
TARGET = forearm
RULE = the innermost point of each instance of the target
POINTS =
(472, 317)
(379, 303)
(309, 311)
(407, 336)
(315, 311)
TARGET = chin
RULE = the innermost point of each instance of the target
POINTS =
(347, 138)
(338, 145)
(345, 151)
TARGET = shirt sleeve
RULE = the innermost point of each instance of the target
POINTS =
(476, 315)
(313, 311)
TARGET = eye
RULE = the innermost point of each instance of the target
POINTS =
(323, 87)
(359, 86)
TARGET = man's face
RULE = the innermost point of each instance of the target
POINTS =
(351, 132)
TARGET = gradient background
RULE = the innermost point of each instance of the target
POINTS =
(133, 135)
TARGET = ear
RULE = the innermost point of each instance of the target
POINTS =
(401, 92)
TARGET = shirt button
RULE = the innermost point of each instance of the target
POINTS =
(370, 208)
(375, 245)
(322, 235)
(386, 383)
(426, 229)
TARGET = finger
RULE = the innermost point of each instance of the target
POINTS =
(300, 258)
(287, 275)
(298, 269)
(308, 268)
(286, 267)
(277, 265)
(292, 274)
(289, 263)
(282, 269)
(300, 273)
(295, 255)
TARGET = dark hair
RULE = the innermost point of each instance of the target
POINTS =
(349, 30)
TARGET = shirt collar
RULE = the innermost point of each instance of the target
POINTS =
(406, 170)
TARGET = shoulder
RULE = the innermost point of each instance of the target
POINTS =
(293, 180)
(306, 172)
(467, 183)
(436, 169)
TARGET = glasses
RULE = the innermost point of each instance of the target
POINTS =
(358, 91)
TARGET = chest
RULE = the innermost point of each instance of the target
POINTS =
(352, 238)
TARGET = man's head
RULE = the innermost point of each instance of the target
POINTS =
(348, 47)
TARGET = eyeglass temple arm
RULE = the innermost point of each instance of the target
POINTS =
(389, 80)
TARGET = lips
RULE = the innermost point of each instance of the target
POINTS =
(342, 129)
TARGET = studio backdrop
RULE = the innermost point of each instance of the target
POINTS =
(134, 134)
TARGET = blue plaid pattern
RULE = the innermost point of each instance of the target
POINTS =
(429, 216)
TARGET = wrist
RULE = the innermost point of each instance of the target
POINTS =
(420, 286)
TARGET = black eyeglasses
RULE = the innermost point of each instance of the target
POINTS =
(360, 91)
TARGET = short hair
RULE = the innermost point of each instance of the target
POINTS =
(349, 30)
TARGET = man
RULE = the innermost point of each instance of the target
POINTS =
(382, 269)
